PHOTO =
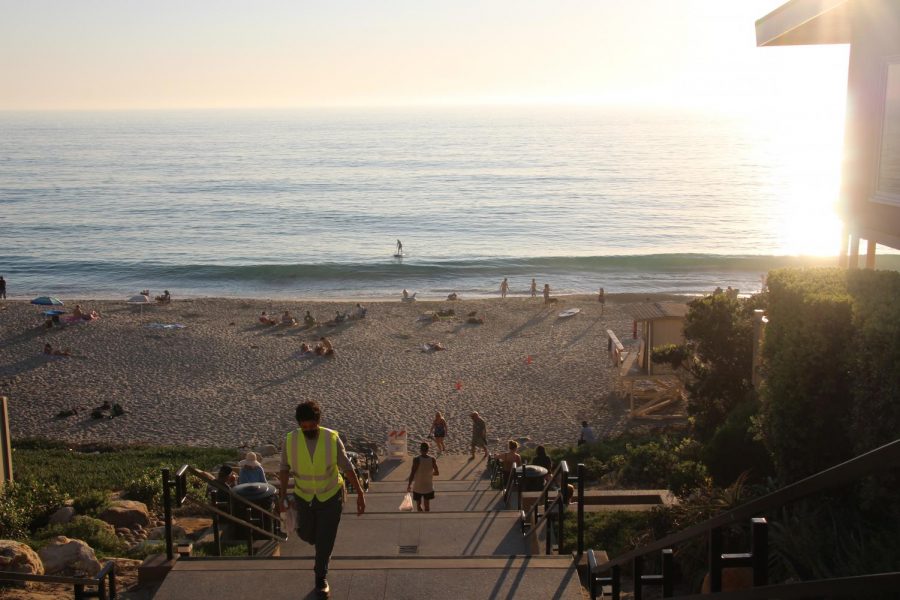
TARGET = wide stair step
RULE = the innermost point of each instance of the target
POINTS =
(414, 578)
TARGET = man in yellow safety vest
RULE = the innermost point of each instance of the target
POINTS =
(315, 457)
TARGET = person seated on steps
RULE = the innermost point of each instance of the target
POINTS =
(510, 457)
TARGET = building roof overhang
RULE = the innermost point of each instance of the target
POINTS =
(806, 22)
(658, 310)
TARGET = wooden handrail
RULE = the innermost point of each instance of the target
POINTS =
(818, 588)
(880, 459)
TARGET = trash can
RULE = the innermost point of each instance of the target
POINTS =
(533, 478)
(262, 495)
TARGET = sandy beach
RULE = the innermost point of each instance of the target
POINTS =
(227, 380)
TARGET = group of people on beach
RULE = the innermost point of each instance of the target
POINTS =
(504, 289)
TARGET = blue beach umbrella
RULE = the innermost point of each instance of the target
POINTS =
(47, 301)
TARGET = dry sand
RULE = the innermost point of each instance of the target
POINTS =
(227, 380)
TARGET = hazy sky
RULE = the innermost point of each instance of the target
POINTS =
(90, 54)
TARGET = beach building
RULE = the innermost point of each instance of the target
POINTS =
(657, 324)
(870, 186)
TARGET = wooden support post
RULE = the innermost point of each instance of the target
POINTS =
(167, 512)
(715, 560)
(638, 578)
(668, 573)
(854, 252)
(6, 467)
(760, 541)
(870, 254)
(842, 255)
(616, 582)
(580, 525)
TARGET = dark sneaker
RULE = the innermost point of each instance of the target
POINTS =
(322, 587)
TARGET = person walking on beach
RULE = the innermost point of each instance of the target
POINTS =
(533, 288)
(504, 287)
(439, 431)
(479, 434)
(2, 287)
(316, 457)
(421, 478)
(546, 293)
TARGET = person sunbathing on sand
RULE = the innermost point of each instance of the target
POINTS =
(266, 319)
(305, 349)
(48, 349)
(324, 347)
(359, 312)
(433, 347)
(287, 319)
(78, 313)
(309, 320)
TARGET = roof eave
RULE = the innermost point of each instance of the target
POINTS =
(806, 22)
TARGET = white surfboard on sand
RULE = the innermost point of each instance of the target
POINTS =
(569, 313)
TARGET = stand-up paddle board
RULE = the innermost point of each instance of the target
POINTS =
(569, 313)
(401, 255)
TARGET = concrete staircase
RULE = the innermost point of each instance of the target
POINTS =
(468, 547)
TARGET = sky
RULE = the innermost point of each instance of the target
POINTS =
(130, 54)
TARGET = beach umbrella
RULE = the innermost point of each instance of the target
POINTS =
(140, 300)
(47, 301)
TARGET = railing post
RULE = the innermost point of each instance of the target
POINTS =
(760, 549)
(715, 560)
(580, 509)
(518, 480)
(79, 591)
(167, 510)
(101, 589)
(616, 582)
(668, 573)
(548, 531)
(638, 578)
(113, 593)
(562, 518)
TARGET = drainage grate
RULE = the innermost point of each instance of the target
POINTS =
(409, 549)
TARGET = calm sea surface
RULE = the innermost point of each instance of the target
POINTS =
(309, 204)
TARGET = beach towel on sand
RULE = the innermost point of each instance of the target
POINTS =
(165, 326)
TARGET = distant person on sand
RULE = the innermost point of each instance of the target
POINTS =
(317, 459)
(504, 287)
(2, 288)
(265, 319)
(288, 319)
(305, 348)
(546, 293)
(587, 435)
(79, 314)
(533, 288)
(510, 457)
(439, 431)
(479, 435)
(165, 298)
(309, 320)
(359, 312)
(48, 349)
(601, 298)
(324, 347)
(251, 470)
(421, 478)
(399, 247)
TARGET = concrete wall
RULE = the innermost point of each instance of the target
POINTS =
(876, 41)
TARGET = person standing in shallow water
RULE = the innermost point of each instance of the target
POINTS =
(533, 288)
(2, 287)
(315, 457)
(504, 287)
(421, 478)
(546, 293)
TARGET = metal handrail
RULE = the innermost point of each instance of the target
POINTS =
(558, 500)
(561, 467)
(884, 458)
(513, 478)
(180, 485)
(881, 459)
(108, 571)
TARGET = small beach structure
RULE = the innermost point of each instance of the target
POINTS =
(139, 300)
(649, 387)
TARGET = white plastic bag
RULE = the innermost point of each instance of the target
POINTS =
(288, 517)
(407, 504)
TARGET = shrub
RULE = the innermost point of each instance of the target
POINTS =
(25, 505)
(92, 503)
(734, 448)
(95, 533)
(146, 488)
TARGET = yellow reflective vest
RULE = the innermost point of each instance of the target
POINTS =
(317, 476)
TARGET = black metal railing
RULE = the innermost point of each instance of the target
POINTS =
(257, 522)
(513, 481)
(881, 459)
(532, 520)
(104, 581)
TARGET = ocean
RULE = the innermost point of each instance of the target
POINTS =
(309, 204)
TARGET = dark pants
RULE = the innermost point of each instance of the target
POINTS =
(317, 524)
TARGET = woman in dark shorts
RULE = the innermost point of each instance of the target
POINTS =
(439, 431)
(421, 478)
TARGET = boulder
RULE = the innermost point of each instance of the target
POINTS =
(63, 515)
(159, 533)
(126, 513)
(266, 450)
(68, 556)
(19, 558)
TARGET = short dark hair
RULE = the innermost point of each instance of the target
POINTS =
(308, 411)
(423, 447)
